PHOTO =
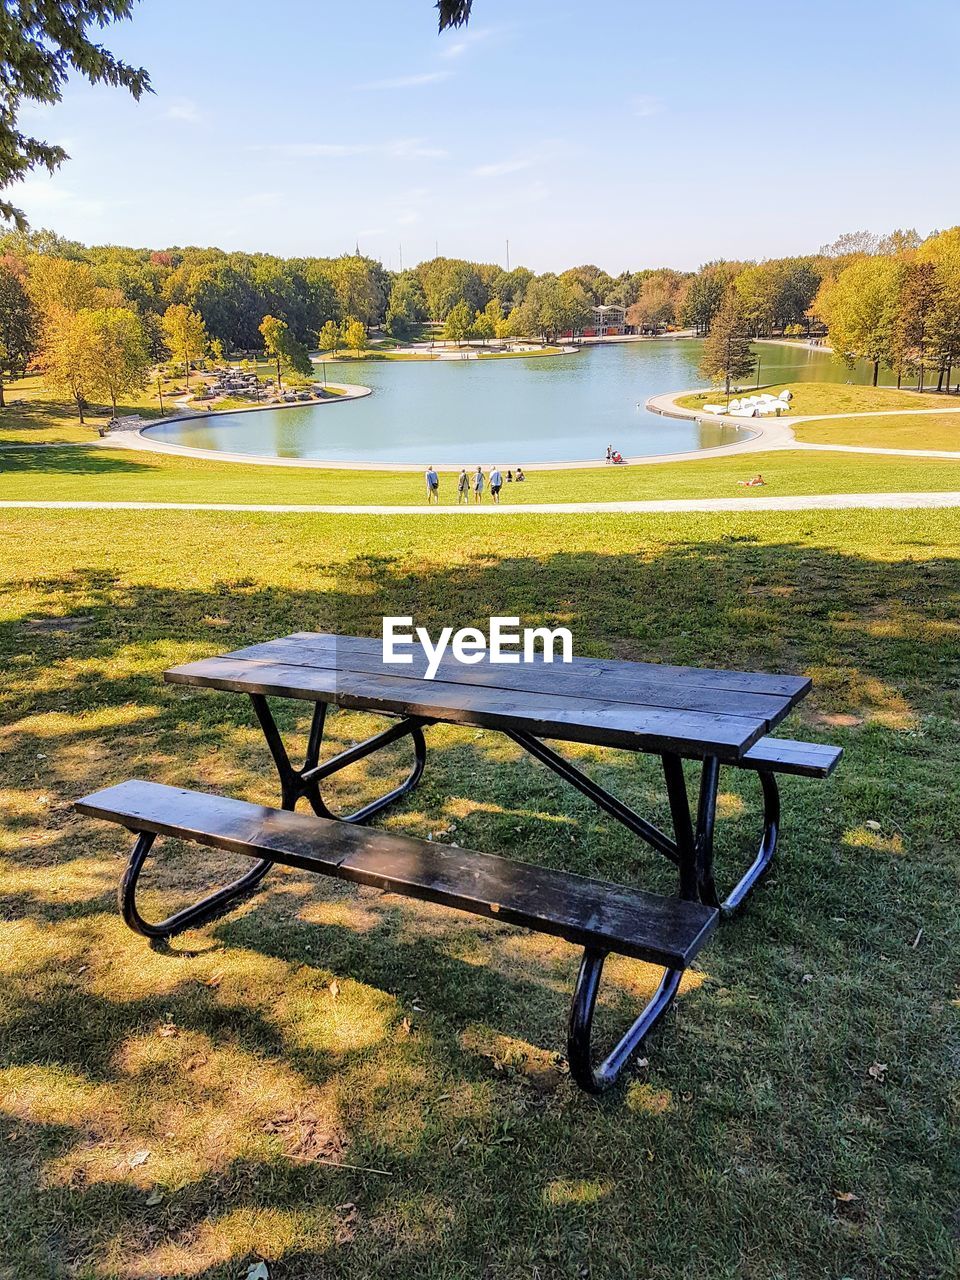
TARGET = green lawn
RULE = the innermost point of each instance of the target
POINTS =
(110, 475)
(834, 397)
(182, 1112)
(920, 431)
(41, 419)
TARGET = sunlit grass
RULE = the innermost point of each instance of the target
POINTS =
(351, 1083)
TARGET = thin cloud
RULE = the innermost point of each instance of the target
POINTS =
(647, 105)
(473, 37)
(184, 109)
(408, 82)
(500, 168)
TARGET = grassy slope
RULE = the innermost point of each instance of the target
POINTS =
(98, 474)
(926, 431)
(834, 397)
(44, 420)
(233, 1061)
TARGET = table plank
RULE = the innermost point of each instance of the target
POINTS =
(349, 648)
(548, 715)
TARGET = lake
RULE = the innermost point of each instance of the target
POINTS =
(499, 412)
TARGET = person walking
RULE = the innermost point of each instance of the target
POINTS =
(478, 483)
(433, 484)
(496, 484)
(463, 488)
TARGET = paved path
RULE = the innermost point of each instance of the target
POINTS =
(814, 502)
(778, 433)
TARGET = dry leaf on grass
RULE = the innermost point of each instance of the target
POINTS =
(878, 1072)
(138, 1158)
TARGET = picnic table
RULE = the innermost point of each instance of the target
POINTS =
(718, 718)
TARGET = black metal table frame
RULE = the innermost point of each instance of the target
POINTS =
(690, 850)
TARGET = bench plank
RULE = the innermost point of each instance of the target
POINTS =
(595, 913)
(784, 755)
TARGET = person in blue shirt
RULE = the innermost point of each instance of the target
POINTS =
(496, 484)
(433, 484)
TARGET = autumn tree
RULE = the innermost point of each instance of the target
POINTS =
(918, 307)
(281, 345)
(330, 337)
(726, 355)
(185, 335)
(68, 355)
(458, 324)
(859, 309)
(19, 328)
(355, 336)
(121, 358)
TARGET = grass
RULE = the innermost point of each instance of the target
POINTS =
(183, 1112)
(43, 420)
(834, 397)
(100, 474)
(911, 431)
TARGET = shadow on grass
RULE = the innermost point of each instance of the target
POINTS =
(758, 1104)
(69, 460)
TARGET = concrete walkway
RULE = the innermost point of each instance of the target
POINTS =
(814, 502)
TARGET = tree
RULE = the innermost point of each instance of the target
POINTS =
(330, 337)
(185, 334)
(122, 358)
(280, 343)
(454, 13)
(406, 308)
(483, 327)
(859, 310)
(943, 250)
(355, 336)
(55, 282)
(919, 304)
(458, 324)
(726, 351)
(68, 353)
(18, 322)
(705, 293)
(42, 43)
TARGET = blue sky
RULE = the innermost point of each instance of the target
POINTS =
(628, 133)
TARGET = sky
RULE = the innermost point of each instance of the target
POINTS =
(627, 133)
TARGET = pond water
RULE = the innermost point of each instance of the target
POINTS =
(505, 412)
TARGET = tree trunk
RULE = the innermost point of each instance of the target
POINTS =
(949, 371)
(186, 365)
(279, 381)
(920, 379)
(876, 371)
(940, 379)
(113, 402)
(899, 378)
(80, 410)
(3, 403)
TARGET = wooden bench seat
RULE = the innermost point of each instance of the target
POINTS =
(591, 913)
(784, 755)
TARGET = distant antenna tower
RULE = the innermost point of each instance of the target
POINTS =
(401, 258)
(508, 256)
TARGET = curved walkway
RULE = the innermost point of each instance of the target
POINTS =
(812, 502)
(778, 433)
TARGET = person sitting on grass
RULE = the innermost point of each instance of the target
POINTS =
(752, 484)
(520, 476)
(433, 484)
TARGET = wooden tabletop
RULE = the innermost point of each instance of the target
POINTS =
(638, 706)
